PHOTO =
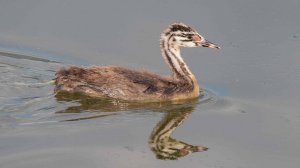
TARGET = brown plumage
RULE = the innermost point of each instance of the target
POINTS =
(132, 85)
(121, 83)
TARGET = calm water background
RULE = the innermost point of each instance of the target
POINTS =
(252, 120)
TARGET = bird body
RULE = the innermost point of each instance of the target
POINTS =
(123, 83)
(132, 85)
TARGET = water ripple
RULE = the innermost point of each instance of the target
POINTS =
(27, 97)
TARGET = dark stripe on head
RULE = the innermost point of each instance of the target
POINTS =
(179, 27)
(185, 34)
(186, 40)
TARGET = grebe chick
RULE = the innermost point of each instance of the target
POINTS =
(125, 84)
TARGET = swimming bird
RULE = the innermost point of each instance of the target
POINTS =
(133, 85)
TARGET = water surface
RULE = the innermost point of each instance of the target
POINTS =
(248, 115)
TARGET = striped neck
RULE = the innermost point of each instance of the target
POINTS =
(172, 56)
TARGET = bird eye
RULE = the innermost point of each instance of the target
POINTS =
(183, 35)
(188, 36)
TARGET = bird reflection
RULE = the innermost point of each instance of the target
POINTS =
(160, 141)
(162, 144)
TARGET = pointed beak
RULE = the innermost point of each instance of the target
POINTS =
(203, 42)
(209, 44)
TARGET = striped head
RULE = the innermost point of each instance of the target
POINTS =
(181, 35)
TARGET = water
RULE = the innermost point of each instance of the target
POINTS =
(248, 115)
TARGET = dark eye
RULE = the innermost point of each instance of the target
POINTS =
(183, 35)
(188, 37)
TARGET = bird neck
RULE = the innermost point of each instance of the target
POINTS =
(172, 56)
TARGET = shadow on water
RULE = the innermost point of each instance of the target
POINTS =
(160, 140)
